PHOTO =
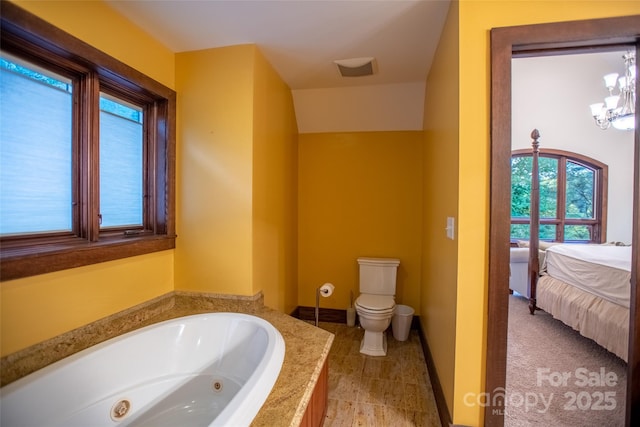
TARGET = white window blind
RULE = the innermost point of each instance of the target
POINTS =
(121, 163)
(35, 150)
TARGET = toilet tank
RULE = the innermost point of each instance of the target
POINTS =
(378, 275)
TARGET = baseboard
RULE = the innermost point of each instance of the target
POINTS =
(324, 314)
(441, 403)
(334, 315)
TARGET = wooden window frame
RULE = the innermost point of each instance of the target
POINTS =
(27, 36)
(601, 174)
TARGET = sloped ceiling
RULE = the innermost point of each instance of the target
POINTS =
(302, 38)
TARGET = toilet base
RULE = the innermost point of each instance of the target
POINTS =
(374, 343)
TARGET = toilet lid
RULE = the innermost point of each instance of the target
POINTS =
(376, 302)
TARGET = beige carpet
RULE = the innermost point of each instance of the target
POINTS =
(556, 377)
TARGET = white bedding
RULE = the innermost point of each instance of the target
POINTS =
(602, 270)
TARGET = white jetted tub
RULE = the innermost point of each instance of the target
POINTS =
(214, 369)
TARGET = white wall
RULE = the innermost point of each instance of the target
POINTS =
(552, 94)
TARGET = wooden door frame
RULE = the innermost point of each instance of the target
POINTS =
(587, 35)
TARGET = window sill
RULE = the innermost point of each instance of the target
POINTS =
(19, 262)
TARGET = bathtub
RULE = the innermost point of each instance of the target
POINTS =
(213, 369)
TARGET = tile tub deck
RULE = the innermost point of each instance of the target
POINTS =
(307, 347)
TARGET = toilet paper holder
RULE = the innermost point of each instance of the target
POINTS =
(325, 290)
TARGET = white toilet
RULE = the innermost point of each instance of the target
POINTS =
(376, 302)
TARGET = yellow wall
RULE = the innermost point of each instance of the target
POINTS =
(214, 169)
(236, 176)
(95, 23)
(440, 257)
(359, 195)
(38, 308)
(275, 154)
(475, 20)
(47, 305)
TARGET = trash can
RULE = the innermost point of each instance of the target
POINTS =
(401, 322)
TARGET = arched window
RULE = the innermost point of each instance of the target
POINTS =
(573, 195)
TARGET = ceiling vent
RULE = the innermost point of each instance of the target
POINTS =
(356, 67)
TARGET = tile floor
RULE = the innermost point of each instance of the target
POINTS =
(393, 390)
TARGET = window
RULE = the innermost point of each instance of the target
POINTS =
(35, 172)
(121, 164)
(572, 196)
(87, 153)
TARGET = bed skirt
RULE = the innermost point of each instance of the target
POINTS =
(598, 319)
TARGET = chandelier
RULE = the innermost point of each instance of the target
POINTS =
(618, 110)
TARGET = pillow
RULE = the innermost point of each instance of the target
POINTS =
(546, 245)
(542, 244)
(614, 244)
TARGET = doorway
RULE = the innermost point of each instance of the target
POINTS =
(533, 40)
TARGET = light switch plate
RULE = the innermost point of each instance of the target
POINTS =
(450, 227)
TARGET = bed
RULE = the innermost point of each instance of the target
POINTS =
(586, 286)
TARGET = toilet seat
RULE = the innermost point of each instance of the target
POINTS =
(375, 304)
